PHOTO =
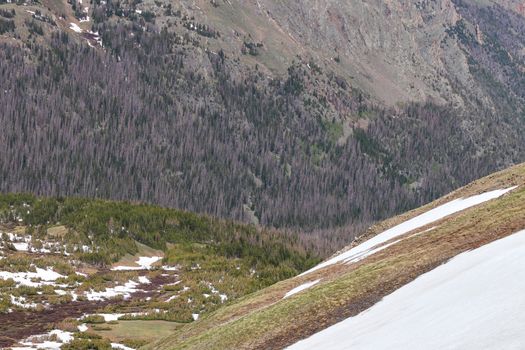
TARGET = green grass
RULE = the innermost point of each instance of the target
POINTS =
(147, 331)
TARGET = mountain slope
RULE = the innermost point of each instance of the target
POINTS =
(472, 301)
(277, 113)
(358, 282)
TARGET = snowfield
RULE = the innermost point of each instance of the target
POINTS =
(475, 301)
(366, 248)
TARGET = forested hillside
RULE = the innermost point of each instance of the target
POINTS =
(141, 105)
(70, 264)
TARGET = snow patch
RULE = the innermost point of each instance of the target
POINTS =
(424, 219)
(124, 290)
(120, 346)
(475, 301)
(21, 302)
(144, 280)
(173, 297)
(43, 341)
(301, 288)
(21, 247)
(144, 263)
(44, 277)
(111, 317)
(74, 27)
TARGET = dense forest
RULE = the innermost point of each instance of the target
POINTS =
(110, 229)
(158, 118)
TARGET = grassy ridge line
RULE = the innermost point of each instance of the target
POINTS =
(262, 321)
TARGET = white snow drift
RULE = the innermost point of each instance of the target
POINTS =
(301, 288)
(43, 341)
(367, 248)
(125, 291)
(144, 263)
(475, 301)
(32, 279)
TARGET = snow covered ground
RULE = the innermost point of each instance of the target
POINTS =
(143, 262)
(120, 346)
(32, 279)
(44, 341)
(124, 290)
(74, 27)
(301, 288)
(367, 248)
(475, 301)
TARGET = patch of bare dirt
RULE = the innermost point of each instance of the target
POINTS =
(19, 325)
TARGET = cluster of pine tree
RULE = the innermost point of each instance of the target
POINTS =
(151, 119)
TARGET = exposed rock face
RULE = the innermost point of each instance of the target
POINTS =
(392, 48)
(517, 6)
(397, 51)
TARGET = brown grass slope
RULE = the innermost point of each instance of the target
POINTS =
(264, 320)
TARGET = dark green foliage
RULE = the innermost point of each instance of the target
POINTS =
(81, 342)
(148, 16)
(6, 25)
(34, 27)
(7, 13)
(115, 226)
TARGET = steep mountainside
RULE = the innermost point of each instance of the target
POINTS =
(311, 114)
(446, 275)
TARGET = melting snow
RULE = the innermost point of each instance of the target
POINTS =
(21, 302)
(114, 317)
(111, 317)
(144, 280)
(475, 301)
(21, 247)
(26, 278)
(366, 248)
(43, 342)
(23, 244)
(145, 263)
(82, 327)
(124, 290)
(120, 346)
(74, 27)
(173, 297)
(301, 288)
